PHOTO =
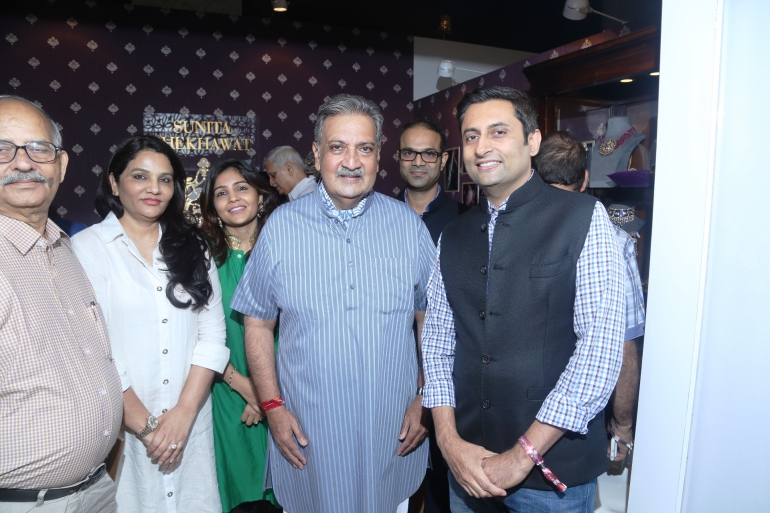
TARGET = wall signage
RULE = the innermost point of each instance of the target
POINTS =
(203, 134)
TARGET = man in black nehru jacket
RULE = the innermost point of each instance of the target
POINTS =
(523, 335)
(422, 156)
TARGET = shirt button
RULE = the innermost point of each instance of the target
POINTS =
(165, 351)
(164, 321)
(348, 241)
(170, 494)
(483, 269)
(485, 359)
(485, 404)
(93, 303)
(70, 312)
(106, 433)
(87, 351)
(165, 382)
(350, 264)
(482, 315)
(484, 227)
(164, 410)
(103, 392)
(352, 287)
(158, 288)
(239, 255)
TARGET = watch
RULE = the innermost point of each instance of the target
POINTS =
(152, 424)
(419, 391)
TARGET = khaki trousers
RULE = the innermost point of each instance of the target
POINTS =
(97, 498)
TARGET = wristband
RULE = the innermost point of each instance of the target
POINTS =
(272, 404)
(532, 452)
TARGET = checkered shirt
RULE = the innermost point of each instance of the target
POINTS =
(634, 294)
(590, 376)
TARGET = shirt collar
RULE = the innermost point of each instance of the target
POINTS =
(333, 211)
(300, 187)
(503, 206)
(427, 207)
(23, 236)
(112, 229)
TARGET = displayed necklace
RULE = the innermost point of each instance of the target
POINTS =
(235, 242)
(606, 147)
(621, 216)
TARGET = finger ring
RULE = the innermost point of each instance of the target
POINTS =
(173, 446)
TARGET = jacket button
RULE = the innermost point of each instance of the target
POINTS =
(485, 359)
(483, 269)
(484, 227)
(482, 315)
(485, 404)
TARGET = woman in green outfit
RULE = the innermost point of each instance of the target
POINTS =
(235, 203)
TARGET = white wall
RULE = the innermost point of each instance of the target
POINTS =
(428, 53)
(705, 398)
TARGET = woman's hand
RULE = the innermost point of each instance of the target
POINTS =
(243, 385)
(251, 416)
(173, 430)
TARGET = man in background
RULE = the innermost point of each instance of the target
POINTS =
(422, 157)
(286, 170)
(61, 402)
(561, 162)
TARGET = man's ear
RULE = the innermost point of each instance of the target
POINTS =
(289, 168)
(533, 140)
(444, 158)
(585, 182)
(317, 155)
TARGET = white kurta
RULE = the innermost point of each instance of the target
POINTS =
(154, 344)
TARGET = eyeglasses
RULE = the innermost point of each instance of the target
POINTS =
(428, 156)
(37, 151)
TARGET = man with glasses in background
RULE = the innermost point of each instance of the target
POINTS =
(421, 157)
(60, 396)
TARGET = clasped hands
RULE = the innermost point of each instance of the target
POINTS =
(166, 444)
(483, 473)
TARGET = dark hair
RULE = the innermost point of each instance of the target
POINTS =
(522, 106)
(209, 217)
(561, 160)
(430, 125)
(182, 246)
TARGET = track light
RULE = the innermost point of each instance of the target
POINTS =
(579, 9)
(447, 69)
(280, 5)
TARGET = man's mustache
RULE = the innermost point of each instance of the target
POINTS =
(18, 176)
(343, 171)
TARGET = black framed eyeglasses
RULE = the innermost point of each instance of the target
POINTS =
(37, 151)
(428, 156)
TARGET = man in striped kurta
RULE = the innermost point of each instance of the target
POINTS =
(346, 270)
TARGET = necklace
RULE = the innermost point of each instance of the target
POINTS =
(606, 147)
(235, 242)
(621, 216)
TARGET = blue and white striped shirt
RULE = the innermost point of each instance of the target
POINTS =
(590, 376)
(347, 359)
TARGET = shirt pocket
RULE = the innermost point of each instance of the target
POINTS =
(393, 287)
(101, 340)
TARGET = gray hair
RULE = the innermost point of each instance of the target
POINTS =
(348, 104)
(55, 133)
(281, 155)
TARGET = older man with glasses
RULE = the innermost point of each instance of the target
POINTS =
(60, 394)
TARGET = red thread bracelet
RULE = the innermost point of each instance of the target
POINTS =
(532, 452)
(272, 404)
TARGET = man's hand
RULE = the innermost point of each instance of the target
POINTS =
(251, 416)
(508, 469)
(285, 428)
(414, 429)
(465, 460)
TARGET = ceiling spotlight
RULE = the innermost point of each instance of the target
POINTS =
(579, 9)
(447, 69)
(626, 80)
(280, 5)
(445, 24)
(655, 74)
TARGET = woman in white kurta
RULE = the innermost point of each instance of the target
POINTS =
(166, 353)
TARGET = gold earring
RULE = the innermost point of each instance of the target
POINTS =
(261, 211)
(219, 222)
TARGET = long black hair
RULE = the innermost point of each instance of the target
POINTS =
(182, 245)
(209, 217)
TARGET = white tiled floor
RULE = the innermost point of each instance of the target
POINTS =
(611, 492)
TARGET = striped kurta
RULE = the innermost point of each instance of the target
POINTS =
(347, 361)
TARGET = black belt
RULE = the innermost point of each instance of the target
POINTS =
(17, 495)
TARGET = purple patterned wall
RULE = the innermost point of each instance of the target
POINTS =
(97, 68)
(442, 106)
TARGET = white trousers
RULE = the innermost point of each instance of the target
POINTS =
(402, 508)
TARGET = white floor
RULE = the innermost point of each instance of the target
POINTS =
(611, 493)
